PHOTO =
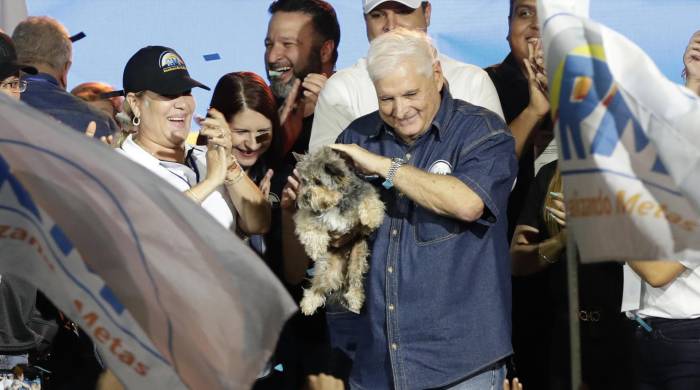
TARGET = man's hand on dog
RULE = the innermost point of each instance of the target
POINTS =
(364, 161)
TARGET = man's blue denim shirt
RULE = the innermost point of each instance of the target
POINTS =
(438, 305)
(44, 94)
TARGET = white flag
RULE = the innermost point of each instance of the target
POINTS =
(628, 143)
(11, 13)
(170, 297)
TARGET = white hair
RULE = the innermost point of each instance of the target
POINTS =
(42, 40)
(392, 49)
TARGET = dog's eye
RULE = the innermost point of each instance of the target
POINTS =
(317, 182)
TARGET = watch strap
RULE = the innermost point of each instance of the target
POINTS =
(396, 163)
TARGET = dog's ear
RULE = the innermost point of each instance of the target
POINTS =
(298, 157)
(334, 169)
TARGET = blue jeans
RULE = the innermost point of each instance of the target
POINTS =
(490, 379)
(669, 355)
(342, 326)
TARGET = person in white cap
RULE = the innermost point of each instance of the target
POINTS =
(350, 94)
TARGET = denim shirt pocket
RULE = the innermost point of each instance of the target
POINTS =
(430, 228)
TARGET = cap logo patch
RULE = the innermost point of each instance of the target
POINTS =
(170, 61)
(440, 167)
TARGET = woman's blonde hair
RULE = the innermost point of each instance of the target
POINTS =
(128, 110)
(125, 119)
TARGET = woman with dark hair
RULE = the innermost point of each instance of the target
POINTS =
(250, 110)
(249, 107)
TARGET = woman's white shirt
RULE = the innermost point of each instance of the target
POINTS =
(184, 176)
(679, 299)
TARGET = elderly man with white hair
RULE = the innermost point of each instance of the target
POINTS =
(349, 93)
(437, 313)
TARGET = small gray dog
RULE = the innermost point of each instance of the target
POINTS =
(336, 212)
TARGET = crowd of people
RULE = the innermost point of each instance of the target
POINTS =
(467, 281)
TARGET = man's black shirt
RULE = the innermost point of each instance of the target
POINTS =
(514, 93)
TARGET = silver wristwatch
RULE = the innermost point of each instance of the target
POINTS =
(396, 163)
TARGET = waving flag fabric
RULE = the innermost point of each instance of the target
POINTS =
(628, 142)
(11, 13)
(170, 298)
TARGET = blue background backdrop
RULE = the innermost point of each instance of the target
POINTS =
(473, 31)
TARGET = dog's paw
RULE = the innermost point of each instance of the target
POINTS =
(311, 302)
(354, 300)
(371, 213)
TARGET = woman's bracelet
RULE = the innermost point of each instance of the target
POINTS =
(544, 257)
(233, 180)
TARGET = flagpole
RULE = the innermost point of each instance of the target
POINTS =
(574, 328)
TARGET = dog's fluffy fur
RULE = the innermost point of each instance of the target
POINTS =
(334, 202)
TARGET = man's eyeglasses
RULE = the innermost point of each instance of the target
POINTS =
(15, 85)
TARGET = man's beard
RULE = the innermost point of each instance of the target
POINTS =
(281, 90)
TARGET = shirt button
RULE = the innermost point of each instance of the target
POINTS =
(391, 307)
(390, 270)
(394, 346)
(408, 156)
(394, 232)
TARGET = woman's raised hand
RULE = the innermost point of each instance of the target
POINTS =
(219, 145)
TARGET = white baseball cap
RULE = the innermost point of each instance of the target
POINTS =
(369, 5)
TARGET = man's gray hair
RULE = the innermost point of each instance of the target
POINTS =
(390, 50)
(42, 40)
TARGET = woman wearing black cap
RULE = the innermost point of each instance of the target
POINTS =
(160, 106)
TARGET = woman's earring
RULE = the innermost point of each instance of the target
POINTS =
(136, 120)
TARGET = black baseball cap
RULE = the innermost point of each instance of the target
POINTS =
(8, 59)
(158, 69)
